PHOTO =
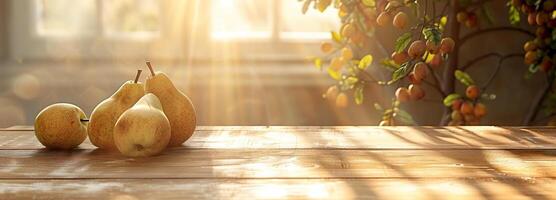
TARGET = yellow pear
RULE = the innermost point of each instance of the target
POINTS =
(61, 126)
(105, 114)
(177, 106)
(143, 130)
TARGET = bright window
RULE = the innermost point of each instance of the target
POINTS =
(172, 29)
(53, 18)
(130, 18)
(280, 19)
(311, 25)
(241, 19)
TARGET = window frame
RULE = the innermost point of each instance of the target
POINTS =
(192, 40)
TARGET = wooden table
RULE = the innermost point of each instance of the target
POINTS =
(297, 163)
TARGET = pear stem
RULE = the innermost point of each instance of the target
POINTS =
(150, 67)
(138, 75)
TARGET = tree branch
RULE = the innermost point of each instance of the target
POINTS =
(499, 65)
(537, 103)
(448, 86)
(436, 87)
(477, 59)
(488, 30)
(475, 4)
(436, 82)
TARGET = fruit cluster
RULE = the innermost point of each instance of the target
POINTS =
(137, 120)
(539, 52)
(468, 18)
(417, 53)
(414, 58)
(467, 110)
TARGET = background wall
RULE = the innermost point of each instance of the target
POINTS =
(256, 93)
(3, 29)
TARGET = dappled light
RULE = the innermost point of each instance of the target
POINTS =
(277, 99)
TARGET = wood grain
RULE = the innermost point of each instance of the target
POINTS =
(131, 189)
(279, 163)
(294, 163)
(480, 137)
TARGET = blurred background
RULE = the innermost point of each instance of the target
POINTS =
(242, 62)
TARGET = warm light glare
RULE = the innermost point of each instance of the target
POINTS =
(241, 18)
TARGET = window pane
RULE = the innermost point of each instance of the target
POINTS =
(241, 18)
(66, 17)
(311, 25)
(131, 17)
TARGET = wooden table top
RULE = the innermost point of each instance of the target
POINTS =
(252, 162)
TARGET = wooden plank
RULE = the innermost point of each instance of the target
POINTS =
(481, 137)
(280, 163)
(130, 189)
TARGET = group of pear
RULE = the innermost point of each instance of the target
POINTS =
(137, 120)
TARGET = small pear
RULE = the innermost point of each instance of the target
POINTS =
(143, 130)
(61, 126)
(104, 116)
(177, 106)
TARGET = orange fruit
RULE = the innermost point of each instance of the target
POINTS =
(400, 20)
(420, 71)
(383, 19)
(348, 30)
(402, 94)
(417, 49)
(431, 46)
(456, 104)
(332, 92)
(472, 92)
(416, 92)
(479, 110)
(530, 57)
(447, 45)
(347, 54)
(466, 108)
(326, 47)
(400, 58)
(342, 100)
(461, 16)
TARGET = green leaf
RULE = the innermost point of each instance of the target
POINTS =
(336, 37)
(402, 42)
(404, 117)
(450, 99)
(378, 107)
(318, 63)
(464, 78)
(323, 4)
(334, 74)
(399, 73)
(369, 3)
(389, 64)
(443, 21)
(350, 81)
(487, 14)
(533, 68)
(513, 14)
(464, 3)
(388, 112)
(432, 34)
(365, 62)
(306, 5)
(358, 95)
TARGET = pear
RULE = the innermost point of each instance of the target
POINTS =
(61, 126)
(177, 106)
(143, 130)
(104, 116)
